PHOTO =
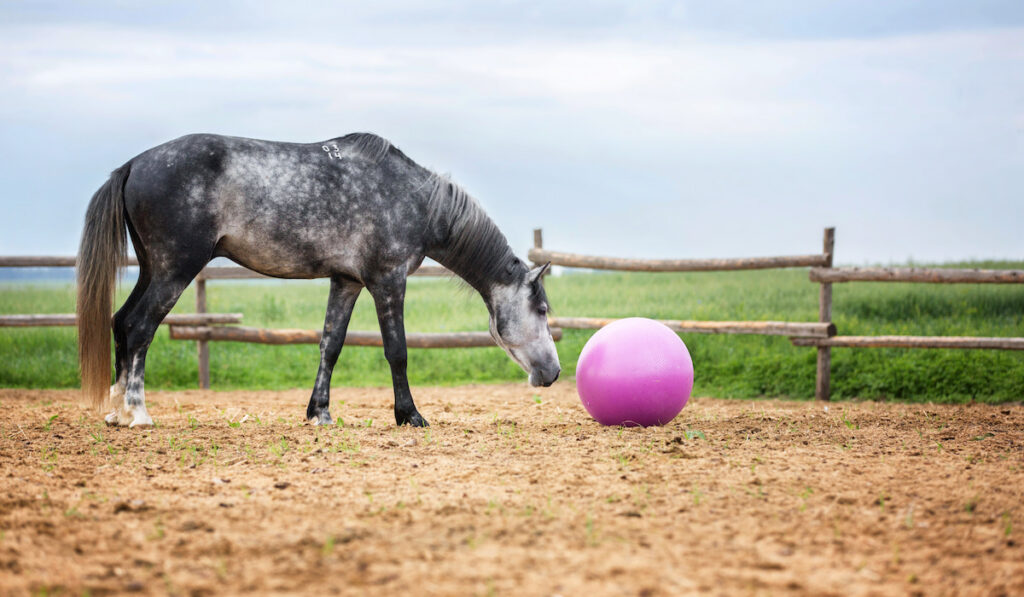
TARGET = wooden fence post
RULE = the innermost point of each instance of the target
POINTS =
(823, 378)
(203, 345)
(538, 244)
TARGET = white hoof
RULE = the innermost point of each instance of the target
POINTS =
(138, 418)
(117, 417)
(113, 419)
(142, 420)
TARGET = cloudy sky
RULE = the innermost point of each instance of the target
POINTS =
(636, 128)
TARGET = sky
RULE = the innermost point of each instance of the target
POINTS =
(635, 129)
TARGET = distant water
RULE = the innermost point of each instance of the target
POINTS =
(67, 274)
(49, 274)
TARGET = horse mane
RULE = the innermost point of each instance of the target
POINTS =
(373, 147)
(475, 248)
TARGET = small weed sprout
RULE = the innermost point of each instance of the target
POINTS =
(49, 422)
(279, 448)
(804, 496)
(158, 530)
(592, 539)
(642, 496)
(48, 456)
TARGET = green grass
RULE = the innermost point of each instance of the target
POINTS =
(726, 365)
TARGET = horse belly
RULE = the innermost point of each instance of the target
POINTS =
(290, 254)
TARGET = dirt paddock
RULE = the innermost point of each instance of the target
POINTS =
(511, 491)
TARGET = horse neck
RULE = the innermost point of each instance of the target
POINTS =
(480, 255)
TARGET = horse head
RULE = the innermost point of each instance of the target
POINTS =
(519, 324)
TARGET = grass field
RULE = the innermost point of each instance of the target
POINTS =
(726, 366)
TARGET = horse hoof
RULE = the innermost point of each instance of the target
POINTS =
(415, 420)
(141, 421)
(112, 419)
(323, 418)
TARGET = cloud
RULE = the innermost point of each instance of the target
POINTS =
(643, 135)
(690, 85)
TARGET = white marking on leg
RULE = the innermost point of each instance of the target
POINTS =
(134, 403)
(140, 418)
(116, 401)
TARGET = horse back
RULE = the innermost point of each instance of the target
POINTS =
(352, 205)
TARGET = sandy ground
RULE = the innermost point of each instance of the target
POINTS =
(512, 491)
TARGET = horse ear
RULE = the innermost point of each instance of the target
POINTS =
(536, 273)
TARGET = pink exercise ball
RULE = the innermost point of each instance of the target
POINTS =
(634, 371)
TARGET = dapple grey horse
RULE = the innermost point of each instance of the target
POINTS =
(354, 209)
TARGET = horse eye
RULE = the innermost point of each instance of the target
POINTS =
(543, 309)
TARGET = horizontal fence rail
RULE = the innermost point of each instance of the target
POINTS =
(197, 326)
(540, 255)
(230, 272)
(917, 274)
(765, 328)
(352, 338)
(48, 261)
(70, 319)
(822, 329)
(200, 326)
(965, 342)
(821, 335)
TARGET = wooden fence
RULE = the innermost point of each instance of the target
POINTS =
(821, 334)
(827, 276)
(204, 327)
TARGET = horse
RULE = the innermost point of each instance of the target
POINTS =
(354, 209)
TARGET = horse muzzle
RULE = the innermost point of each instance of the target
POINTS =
(540, 376)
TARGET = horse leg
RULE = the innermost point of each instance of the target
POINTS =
(342, 298)
(140, 325)
(120, 339)
(389, 298)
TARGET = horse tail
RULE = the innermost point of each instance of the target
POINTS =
(101, 257)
